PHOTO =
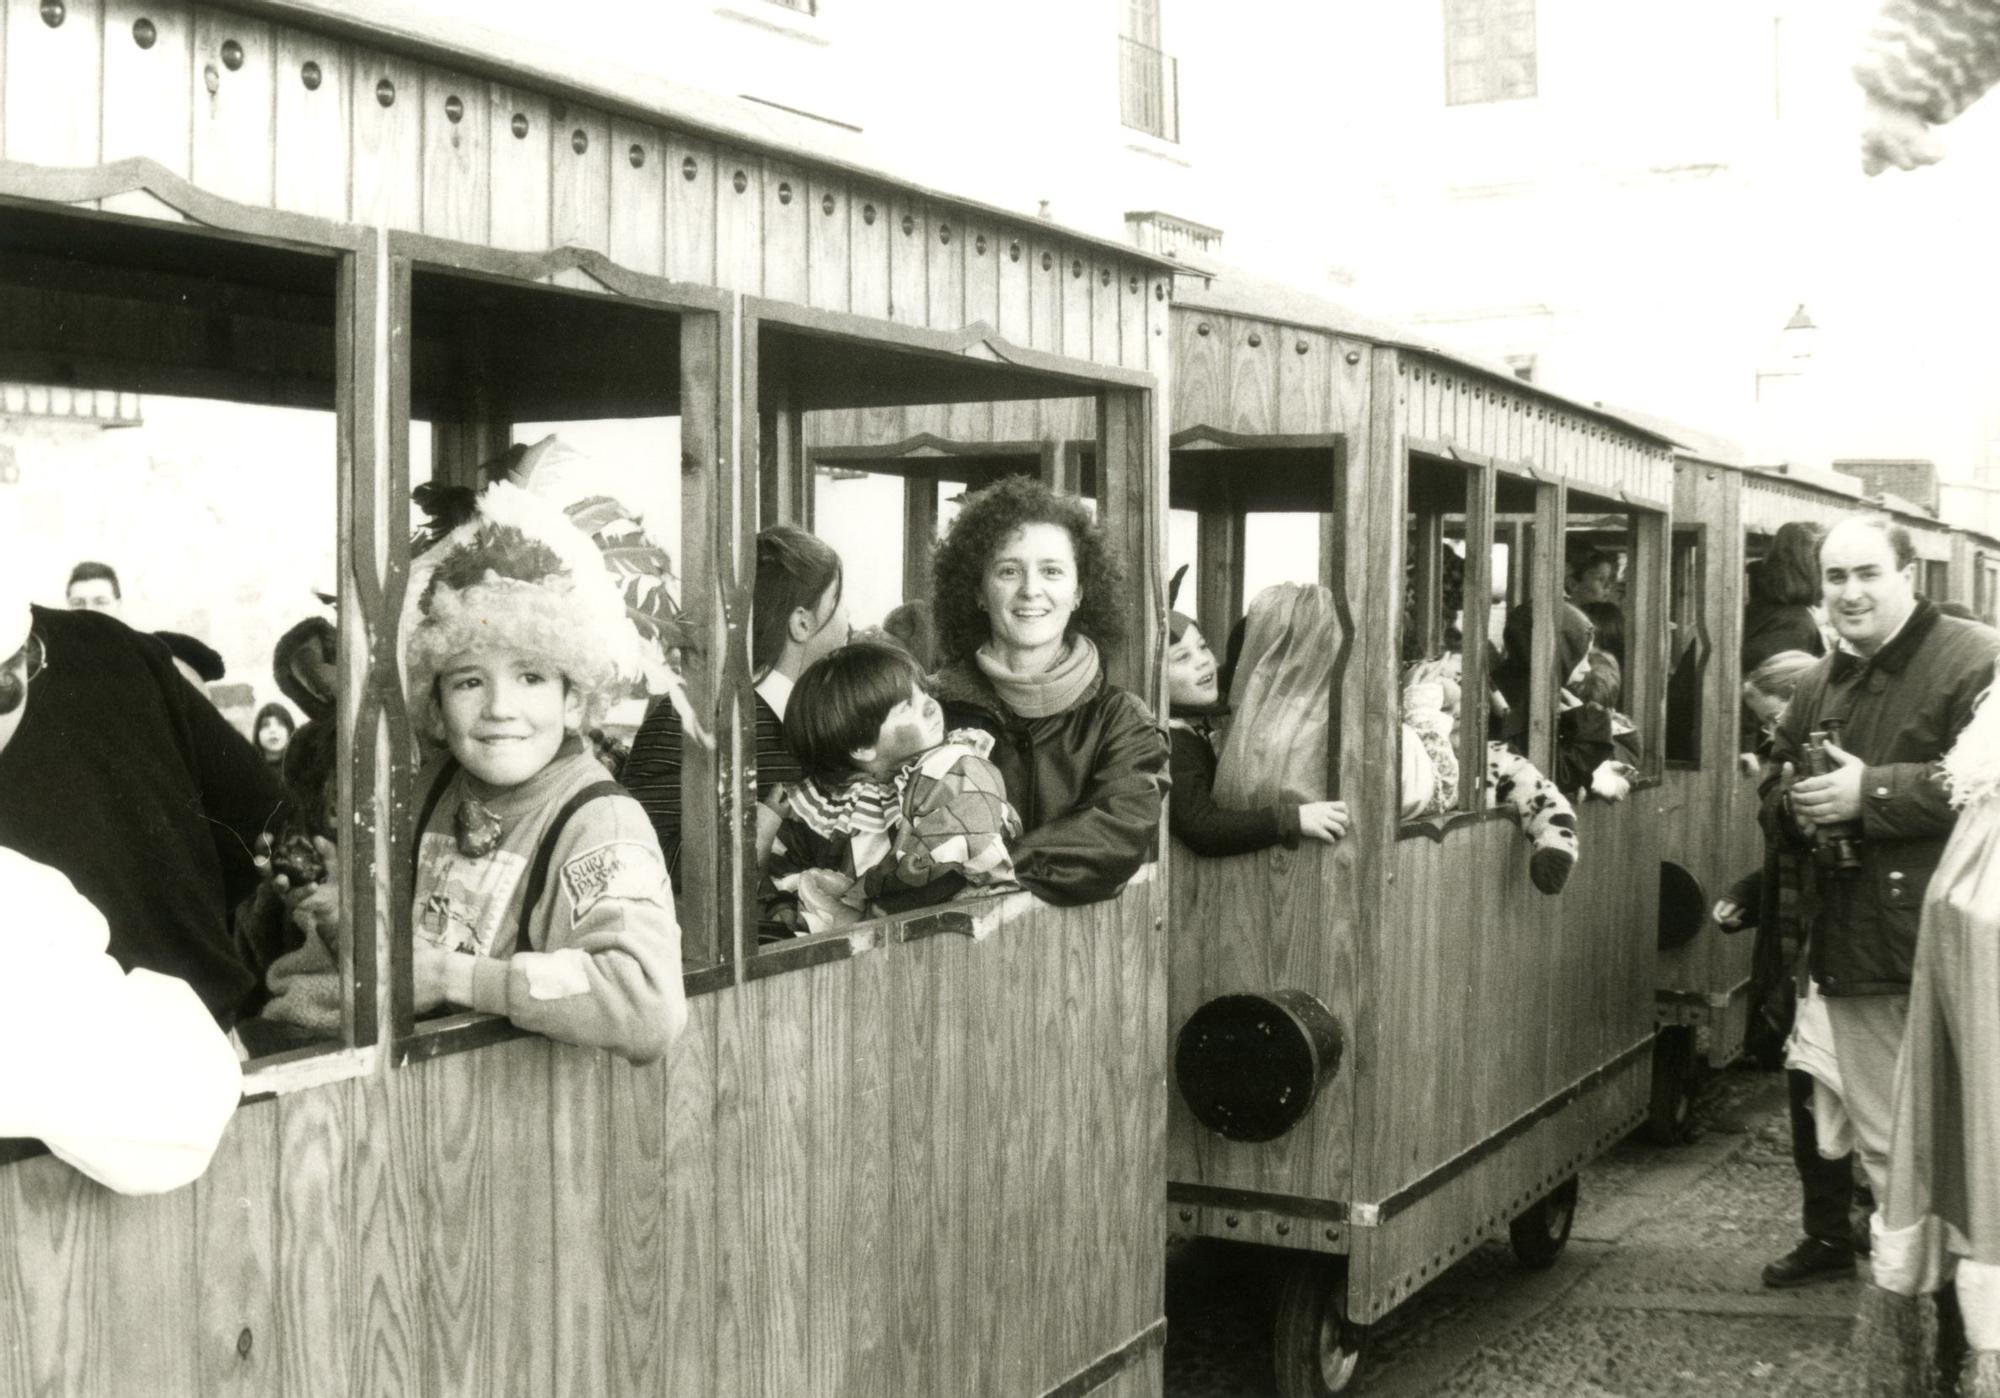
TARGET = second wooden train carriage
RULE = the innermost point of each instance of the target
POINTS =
(923, 1156)
(1491, 1039)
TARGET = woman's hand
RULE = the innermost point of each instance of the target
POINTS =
(1728, 914)
(1325, 821)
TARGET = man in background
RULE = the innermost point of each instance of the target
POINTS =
(93, 587)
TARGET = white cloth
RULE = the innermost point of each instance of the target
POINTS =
(1867, 1035)
(1810, 1051)
(124, 1076)
(1978, 1286)
(1910, 1261)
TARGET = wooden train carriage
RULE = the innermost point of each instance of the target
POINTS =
(1724, 517)
(1495, 1039)
(924, 1156)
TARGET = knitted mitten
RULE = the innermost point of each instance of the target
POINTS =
(1547, 818)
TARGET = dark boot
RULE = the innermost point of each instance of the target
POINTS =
(1811, 1261)
(1827, 1185)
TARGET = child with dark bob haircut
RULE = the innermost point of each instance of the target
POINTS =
(891, 812)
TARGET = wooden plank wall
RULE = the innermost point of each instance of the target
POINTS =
(1709, 812)
(1284, 919)
(278, 117)
(1537, 992)
(932, 1168)
(1547, 990)
(1445, 402)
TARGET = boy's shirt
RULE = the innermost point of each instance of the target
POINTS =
(605, 876)
(940, 826)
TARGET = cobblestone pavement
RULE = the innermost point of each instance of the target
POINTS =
(1657, 1293)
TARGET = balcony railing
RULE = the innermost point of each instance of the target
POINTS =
(1149, 90)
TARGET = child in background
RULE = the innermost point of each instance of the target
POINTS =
(891, 812)
(1766, 691)
(1192, 813)
(1430, 781)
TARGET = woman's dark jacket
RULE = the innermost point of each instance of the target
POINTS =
(1213, 830)
(1087, 782)
(1903, 708)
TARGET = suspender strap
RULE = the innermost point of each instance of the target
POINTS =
(425, 811)
(538, 872)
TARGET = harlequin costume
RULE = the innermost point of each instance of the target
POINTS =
(939, 828)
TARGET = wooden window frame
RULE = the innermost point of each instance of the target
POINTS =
(1131, 491)
(1644, 699)
(1481, 473)
(721, 508)
(1221, 550)
(716, 543)
(1695, 536)
(356, 269)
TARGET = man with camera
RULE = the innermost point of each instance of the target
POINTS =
(1858, 797)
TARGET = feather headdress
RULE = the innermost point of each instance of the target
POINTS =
(544, 557)
(1972, 767)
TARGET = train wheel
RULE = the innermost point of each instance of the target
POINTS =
(1541, 1233)
(1670, 1115)
(1317, 1349)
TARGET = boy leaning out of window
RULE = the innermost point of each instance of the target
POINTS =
(541, 894)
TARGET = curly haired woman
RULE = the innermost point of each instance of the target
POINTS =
(1026, 591)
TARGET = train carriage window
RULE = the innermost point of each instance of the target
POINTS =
(173, 417)
(1248, 518)
(1279, 547)
(576, 397)
(1448, 587)
(1613, 694)
(1521, 703)
(895, 431)
(1936, 580)
(884, 515)
(1687, 649)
